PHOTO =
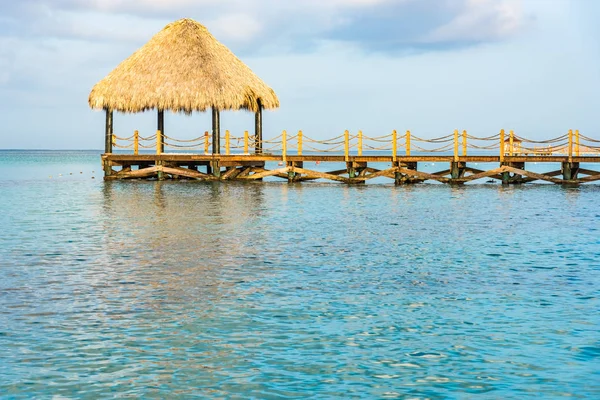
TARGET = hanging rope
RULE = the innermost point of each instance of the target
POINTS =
(200, 138)
(178, 146)
(525, 140)
(588, 139)
(495, 137)
(443, 139)
(123, 139)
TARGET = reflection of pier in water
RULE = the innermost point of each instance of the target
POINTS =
(512, 153)
(163, 235)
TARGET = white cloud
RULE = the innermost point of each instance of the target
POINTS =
(295, 25)
(481, 20)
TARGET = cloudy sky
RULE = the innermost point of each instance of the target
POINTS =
(431, 66)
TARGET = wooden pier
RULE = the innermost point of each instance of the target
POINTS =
(400, 156)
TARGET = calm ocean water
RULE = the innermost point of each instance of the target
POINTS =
(269, 290)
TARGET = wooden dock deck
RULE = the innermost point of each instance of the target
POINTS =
(290, 156)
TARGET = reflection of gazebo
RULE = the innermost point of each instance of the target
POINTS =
(183, 68)
(516, 145)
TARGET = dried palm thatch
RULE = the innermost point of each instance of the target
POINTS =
(183, 68)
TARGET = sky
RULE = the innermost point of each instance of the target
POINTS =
(430, 66)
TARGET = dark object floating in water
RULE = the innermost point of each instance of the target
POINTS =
(490, 181)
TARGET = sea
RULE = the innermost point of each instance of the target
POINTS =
(315, 290)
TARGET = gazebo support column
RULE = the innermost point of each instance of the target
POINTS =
(108, 142)
(258, 130)
(216, 144)
(161, 127)
(216, 131)
(108, 132)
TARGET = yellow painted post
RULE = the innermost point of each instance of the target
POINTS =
(346, 145)
(577, 142)
(159, 140)
(360, 144)
(502, 145)
(394, 145)
(136, 142)
(284, 146)
(114, 140)
(299, 143)
(206, 142)
(456, 145)
(511, 142)
(408, 143)
(570, 145)
(464, 143)
(245, 142)
(227, 137)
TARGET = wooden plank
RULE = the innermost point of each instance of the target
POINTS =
(320, 175)
(534, 175)
(484, 174)
(591, 178)
(473, 170)
(266, 173)
(386, 173)
(140, 173)
(554, 173)
(185, 173)
(231, 173)
(338, 172)
(422, 175)
(588, 171)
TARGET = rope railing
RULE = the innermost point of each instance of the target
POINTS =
(355, 143)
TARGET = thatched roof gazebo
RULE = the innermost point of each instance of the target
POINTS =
(183, 68)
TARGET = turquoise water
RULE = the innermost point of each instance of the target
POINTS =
(270, 290)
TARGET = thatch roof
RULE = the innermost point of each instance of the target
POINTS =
(182, 68)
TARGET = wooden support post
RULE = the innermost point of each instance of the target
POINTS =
(284, 146)
(511, 143)
(394, 145)
(160, 125)
(300, 139)
(360, 143)
(346, 145)
(464, 143)
(456, 145)
(246, 142)
(397, 174)
(457, 170)
(159, 142)
(215, 167)
(136, 142)
(401, 178)
(351, 170)
(505, 178)
(502, 145)
(408, 143)
(108, 132)
(577, 142)
(206, 142)
(292, 175)
(159, 173)
(258, 130)
(570, 170)
(216, 131)
(227, 142)
(570, 149)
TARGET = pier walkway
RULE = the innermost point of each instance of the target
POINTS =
(397, 157)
